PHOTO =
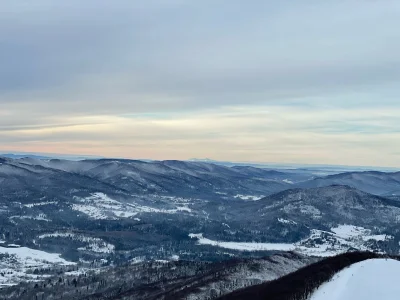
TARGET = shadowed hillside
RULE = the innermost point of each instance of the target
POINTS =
(300, 284)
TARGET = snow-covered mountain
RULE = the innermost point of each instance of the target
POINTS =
(177, 178)
(367, 280)
(373, 182)
(320, 221)
(349, 276)
(97, 213)
(161, 279)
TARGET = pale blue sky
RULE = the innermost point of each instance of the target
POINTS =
(273, 81)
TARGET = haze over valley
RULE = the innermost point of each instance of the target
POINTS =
(199, 150)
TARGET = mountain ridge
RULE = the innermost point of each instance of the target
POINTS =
(98, 213)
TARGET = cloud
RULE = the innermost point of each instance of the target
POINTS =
(209, 78)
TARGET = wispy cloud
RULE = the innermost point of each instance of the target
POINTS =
(296, 81)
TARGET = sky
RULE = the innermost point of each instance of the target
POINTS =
(263, 81)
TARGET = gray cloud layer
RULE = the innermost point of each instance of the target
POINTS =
(65, 63)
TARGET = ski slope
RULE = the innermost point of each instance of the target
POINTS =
(374, 279)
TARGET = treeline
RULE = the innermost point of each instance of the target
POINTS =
(158, 280)
(300, 284)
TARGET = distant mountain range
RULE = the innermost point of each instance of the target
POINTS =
(18, 155)
(378, 183)
(315, 167)
(112, 212)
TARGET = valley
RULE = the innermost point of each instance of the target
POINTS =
(74, 220)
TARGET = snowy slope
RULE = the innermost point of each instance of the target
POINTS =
(319, 243)
(250, 246)
(18, 263)
(377, 183)
(368, 280)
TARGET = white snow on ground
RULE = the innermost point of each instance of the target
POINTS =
(348, 231)
(283, 221)
(318, 243)
(310, 210)
(40, 204)
(96, 245)
(339, 240)
(16, 263)
(57, 234)
(221, 193)
(288, 181)
(374, 279)
(124, 214)
(248, 197)
(242, 246)
(92, 211)
(267, 270)
(377, 237)
(183, 208)
(40, 217)
(226, 225)
(100, 206)
(325, 243)
(79, 272)
(137, 260)
(354, 232)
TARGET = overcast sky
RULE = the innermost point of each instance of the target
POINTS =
(269, 81)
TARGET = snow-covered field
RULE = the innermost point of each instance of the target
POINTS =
(338, 240)
(284, 221)
(288, 181)
(39, 217)
(350, 231)
(242, 246)
(99, 206)
(374, 279)
(319, 243)
(40, 204)
(18, 263)
(31, 257)
(93, 244)
(248, 197)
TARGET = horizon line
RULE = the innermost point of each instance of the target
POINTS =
(44, 155)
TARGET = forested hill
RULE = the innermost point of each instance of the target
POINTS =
(300, 284)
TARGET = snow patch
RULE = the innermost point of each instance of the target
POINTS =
(343, 238)
(99, 206)
(175, 257)
(349, 231)
(40, 217)
(94, 244)
(283, 221)
(318, 243)
(248, 197)
(91, 211)
(354, 232)
(17, 264)
(242, 246)
(183, 208)
(367, 280)
(31, 205)
(288, 181)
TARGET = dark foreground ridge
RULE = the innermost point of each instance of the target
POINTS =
(173, 280)
(300, 284)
